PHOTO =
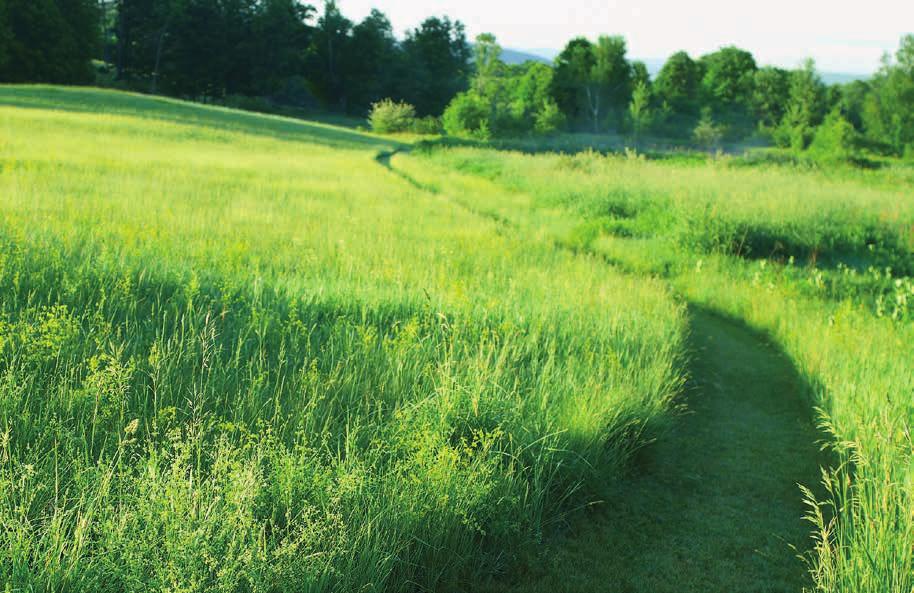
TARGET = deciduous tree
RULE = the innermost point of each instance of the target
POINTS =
(678, 83)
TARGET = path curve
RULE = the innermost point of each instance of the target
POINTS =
(713, 506)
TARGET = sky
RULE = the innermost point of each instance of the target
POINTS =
(846, 36)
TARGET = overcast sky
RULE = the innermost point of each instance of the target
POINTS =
(842, 35)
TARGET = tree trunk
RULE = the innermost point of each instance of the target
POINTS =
(159, 47)
(121, 38)
(593, 102)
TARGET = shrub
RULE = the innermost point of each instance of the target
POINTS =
(467, 116)
(794, 130)
(835, 139)
(707, 133)
(549, 119)
(428, 126)
(391, 117)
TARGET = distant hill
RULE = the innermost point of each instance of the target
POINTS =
(513, 57)
(842, 78)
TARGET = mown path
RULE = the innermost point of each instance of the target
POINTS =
(713, 506)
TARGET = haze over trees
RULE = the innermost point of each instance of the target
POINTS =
(268, 54)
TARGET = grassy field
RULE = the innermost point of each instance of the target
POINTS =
(237, 354)
(248, 353)
(819, 259)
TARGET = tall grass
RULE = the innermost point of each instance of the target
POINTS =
(236, 354)
(816, 258)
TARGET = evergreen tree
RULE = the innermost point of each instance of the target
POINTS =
(805, 108)
(436, 64)
(375, 56)
(48, 40)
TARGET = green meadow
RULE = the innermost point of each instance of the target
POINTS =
(817, 260)
(248, 353)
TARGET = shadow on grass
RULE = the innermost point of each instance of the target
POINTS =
(713, 505)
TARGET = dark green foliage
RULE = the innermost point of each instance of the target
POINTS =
(707, 133)
(888, 112)
(853, 101)
(593, 82)
(805, 108)
(835, 139)
(572, 68)
(678, 83)
(677, 92)
(373, 50)
(426, 126)
(437, 64)
(504, 100)
(196, 44)
(48, 40)
(728, 78)
(208, 48)
(277, 50)
(279, 36)
(5, 35)
(770, 95)
(640, 75)
(727, 87)
(331, 52)
(612, 81)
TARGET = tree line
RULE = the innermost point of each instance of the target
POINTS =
(285, 51)
(594, 87)
(290, 53)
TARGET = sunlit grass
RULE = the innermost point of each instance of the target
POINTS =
(816, 258)
(238, 354)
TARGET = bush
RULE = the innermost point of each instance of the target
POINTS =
(391, 117)
(549, 119)
(835, 139)
(427, 126)
(707, 133)
(467, 116)
(794, 130)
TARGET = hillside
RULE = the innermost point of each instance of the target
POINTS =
(513, 57)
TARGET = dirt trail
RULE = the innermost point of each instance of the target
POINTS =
(713, 506)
